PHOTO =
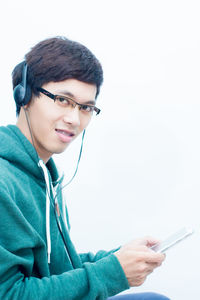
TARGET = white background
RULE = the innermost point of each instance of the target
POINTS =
(140, 169)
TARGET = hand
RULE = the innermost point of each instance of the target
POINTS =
(138, 260)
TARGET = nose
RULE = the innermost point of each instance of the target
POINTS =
(72, 116)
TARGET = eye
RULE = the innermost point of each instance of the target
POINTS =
(87, 108)
(63, 100)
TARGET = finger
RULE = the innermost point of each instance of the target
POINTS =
(152, 266)
(153, 257)
(150, 270)
(151, 241)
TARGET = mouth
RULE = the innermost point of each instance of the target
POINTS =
(65, 132)
(65, 136)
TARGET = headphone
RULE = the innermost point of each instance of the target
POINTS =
(22, 92)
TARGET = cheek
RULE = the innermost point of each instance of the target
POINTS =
(84, 124)
(42, 119)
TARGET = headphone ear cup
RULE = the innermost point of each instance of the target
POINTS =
(28, 95)
(19, 94)
(22, 92)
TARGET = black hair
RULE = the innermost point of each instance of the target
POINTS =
(56, 59)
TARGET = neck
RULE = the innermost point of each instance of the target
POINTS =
(24, 124)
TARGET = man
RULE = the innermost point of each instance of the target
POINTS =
(55, 91)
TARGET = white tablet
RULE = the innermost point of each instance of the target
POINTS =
(173, 239)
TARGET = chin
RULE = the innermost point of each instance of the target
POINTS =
(59, 151)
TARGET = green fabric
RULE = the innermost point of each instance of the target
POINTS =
(24, 269)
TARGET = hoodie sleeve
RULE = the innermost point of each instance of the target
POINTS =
(99, 279)
(90, 257)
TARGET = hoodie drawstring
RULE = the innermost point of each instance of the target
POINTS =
(64, 210)
(48, 235)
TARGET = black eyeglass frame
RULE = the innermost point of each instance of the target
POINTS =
(52, 96)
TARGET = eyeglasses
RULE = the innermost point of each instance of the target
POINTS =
(65, 101)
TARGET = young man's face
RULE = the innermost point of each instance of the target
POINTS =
(55, 126)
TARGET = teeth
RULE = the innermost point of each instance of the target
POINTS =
(65, 133)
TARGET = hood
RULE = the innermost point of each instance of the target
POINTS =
(16, 148)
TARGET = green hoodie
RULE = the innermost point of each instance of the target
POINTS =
(25, 272)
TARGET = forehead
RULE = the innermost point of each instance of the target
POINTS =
(79, 90)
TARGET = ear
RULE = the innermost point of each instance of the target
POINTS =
(25, 107)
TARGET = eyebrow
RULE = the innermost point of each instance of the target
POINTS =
(70, 95)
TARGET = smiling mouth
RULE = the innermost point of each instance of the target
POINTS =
(64, 135)
(64, 132)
